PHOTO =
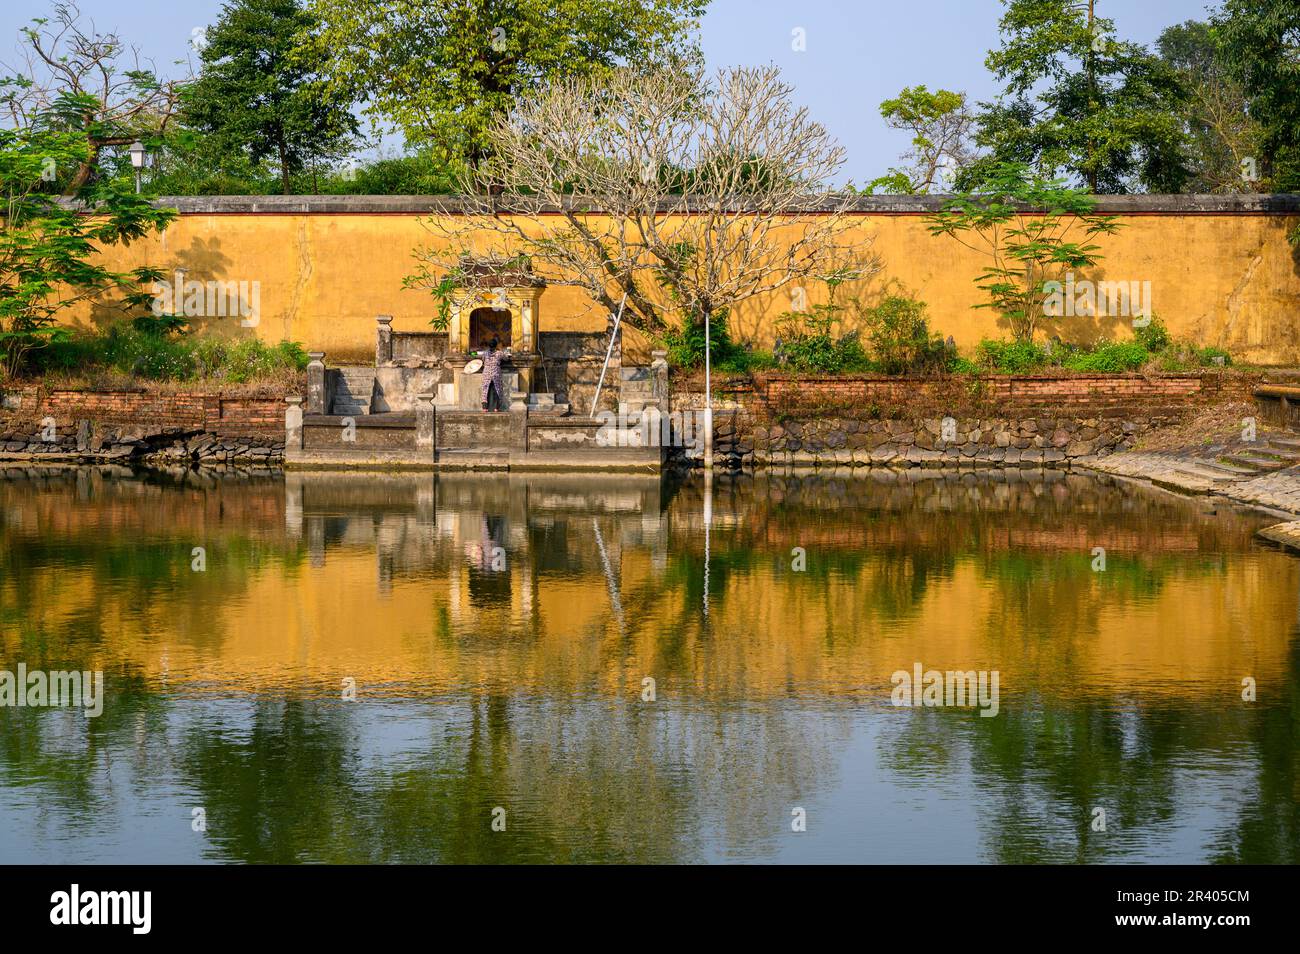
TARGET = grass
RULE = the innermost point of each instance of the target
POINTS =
(125, 356)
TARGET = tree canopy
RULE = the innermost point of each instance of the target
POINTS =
(258, 96)
(1260, 47)
(1079, 102)
(442, 72)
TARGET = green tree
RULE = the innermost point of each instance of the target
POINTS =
(443, 72)
(75, 78)
(258, 95)
(49, 248)
(1021, 221)
(1079, 102)
(941, 124)
(1260, 47)
(1222, 140)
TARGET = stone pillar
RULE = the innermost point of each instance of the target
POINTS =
(528, 309)
(292, 423)
(426, 426)
(317, 399)
(659, 379)
(519, 424)
(383, 340)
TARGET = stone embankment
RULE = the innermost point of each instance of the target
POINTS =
(133, 442)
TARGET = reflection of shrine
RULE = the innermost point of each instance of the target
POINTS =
(494, 540)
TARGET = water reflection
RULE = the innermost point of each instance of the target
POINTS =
(499, 632)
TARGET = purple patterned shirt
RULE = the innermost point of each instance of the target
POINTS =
(492, 373)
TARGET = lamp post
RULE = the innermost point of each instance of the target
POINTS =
(137, 161)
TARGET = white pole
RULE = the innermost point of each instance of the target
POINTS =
(708, 399)
(608, 351)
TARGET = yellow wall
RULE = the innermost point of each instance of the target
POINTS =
(1222, 279)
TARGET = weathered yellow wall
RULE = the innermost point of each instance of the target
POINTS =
(1224, 279)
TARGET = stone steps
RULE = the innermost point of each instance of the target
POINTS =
(636, 384)
(1255, 460)
(1217, 475)
(354, 390)
(1289, 454)
(1218, 466)
(633, 407)
(544, 404)
(1286, 444)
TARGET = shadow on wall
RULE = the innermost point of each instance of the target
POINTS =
(202, 261)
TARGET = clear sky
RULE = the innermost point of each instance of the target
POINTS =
(858, 52)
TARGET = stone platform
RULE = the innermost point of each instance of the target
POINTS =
(443, 439)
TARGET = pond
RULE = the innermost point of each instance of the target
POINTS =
(484, 668)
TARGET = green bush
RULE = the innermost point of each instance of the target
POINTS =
(745, 360)
(822, 354)
(1206, 356)
(901, 340)
(1153, 336)
(807, 343)
(1010, 357)
(243, 361)
(1109, 358)
(155, 354)
(686, 344)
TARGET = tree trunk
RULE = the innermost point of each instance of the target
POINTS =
(284, 170)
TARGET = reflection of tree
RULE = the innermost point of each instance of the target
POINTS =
(70, 756)
(1041, 768)
(580, 782)
(1268, 827)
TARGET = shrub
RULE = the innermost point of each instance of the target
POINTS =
(686, 344)
(157, 354)
(1153, 336)
(143, 354)
(807, 343)
(1206, 356)
(1109, 358)
(745, 360)
(1010, 357)
(901, 340)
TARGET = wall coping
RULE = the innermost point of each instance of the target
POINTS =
(1252, 204)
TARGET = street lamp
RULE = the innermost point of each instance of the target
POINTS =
(137, 160)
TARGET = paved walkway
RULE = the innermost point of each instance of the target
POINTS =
(1277, 490)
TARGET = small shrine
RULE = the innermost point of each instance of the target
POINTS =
(498, 300)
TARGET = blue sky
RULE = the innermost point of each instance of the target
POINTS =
(858, 52)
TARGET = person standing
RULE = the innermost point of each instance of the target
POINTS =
(493, 399)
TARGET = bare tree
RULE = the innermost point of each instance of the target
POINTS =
(90, 81)
(677, 196)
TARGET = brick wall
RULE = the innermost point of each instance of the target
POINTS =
(879, 396)
(188, 410)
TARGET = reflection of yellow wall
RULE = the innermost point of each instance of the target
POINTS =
(1229, 280)
(770, 635)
